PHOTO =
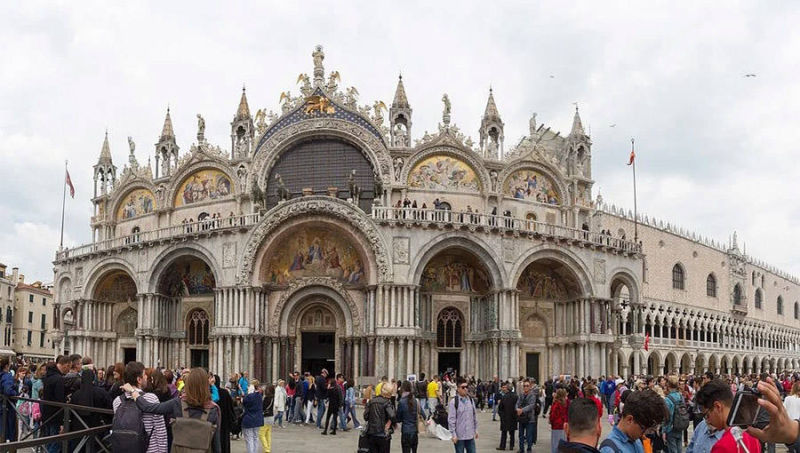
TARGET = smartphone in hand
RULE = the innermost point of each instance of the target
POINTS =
(745, 409)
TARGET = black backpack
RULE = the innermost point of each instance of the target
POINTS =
(680, 414)
(127, 430)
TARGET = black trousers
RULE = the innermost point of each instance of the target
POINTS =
(379, 444)
(510, 434)
(408, 442)
(333, 411)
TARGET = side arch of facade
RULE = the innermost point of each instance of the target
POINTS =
(102, 268)
(170, 254)
(125, 188)
(628, 277)
(198, 161)
(542, 167)
(463, 241)
(468, 156)
(562, 255)
(269, 150)
(277, 219)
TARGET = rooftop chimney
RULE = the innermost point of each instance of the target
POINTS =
(14, 275)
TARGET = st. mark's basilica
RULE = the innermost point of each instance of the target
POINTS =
(329, 235)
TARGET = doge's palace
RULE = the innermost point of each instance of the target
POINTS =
(329, 235)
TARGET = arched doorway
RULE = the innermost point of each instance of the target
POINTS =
(449, 339)
(318, 339)
(455, 287)
(534, 334)
(551, 289)
(114, 298)
(197, 328)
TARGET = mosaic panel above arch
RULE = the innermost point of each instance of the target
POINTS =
(137, 202)
(547, 279)
(117, 286)
(203, 185)
(314, 251)
(455, 272)
(532, 185)
(443, 172)
(187, 276)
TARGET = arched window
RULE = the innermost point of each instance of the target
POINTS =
(780, 305)
(197, 327)
(796, 310)
(677, 277)
(711, 286)
(737, 295)
(758, 298)
(449, 328)
(754, 278)
(9, 315)
(445, 206)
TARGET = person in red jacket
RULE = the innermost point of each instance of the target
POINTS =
(558, 416)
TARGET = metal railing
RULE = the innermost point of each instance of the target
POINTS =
(476, 219)
(88, 438)
(185, 229)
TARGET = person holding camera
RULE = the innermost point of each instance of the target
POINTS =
(713, 434)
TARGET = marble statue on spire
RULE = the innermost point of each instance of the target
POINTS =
(446, 111)
(319, 71)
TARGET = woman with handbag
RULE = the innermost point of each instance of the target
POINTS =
(409, 415)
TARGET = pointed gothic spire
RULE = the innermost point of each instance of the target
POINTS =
(491, 108)
(166, 131)
(400, 99)
(105, 152)
(577, 125)
(244, 109)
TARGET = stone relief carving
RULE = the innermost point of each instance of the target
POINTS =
(228, 255)
(509, 251)
(599, 271)
(400, 250)
(299, 284)
(326, 206)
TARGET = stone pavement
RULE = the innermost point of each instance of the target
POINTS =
(302, 439)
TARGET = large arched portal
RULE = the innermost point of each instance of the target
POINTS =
(549, 294)
(184, 302)
(113, 308)
(320, 165)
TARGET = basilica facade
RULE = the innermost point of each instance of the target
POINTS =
(327, 236)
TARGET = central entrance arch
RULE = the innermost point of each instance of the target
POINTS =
(317, 325)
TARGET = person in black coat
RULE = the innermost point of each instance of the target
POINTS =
(507, 409)
(89, 395)
(335, 399)
(227, 416)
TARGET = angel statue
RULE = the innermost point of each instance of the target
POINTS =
(201, 128)
(286, 100)
(261, 121)
(306, 87)
(351, 98)
(378, 108)
(333, 80)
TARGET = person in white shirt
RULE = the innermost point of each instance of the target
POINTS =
(792, 402)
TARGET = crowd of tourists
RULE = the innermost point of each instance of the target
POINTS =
(162, 410)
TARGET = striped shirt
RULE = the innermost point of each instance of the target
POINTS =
(153, 425)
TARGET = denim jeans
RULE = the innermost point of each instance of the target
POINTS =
(298, 410)
(465, 446)
(278, 419)
(674, 442)
(320, 412)
(252, 444)
(423, 406)
(432, 402)
(409, 442)
(51, 429)
(350, 409)
(289, 409)
(527, 435)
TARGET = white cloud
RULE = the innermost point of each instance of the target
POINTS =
(716, 150)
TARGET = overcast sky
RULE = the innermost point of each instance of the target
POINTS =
(716, 151)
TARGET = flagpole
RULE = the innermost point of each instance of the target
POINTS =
(635, 214)
(63, 204)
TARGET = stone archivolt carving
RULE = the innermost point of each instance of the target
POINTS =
(400, 250)
(268, 153)
(306, 282)
(326, 206)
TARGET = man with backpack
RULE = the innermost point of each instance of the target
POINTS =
(462, 419)
(132, 430)
(678, 420)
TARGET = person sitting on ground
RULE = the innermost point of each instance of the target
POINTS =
(582, 428)
(643, 412)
